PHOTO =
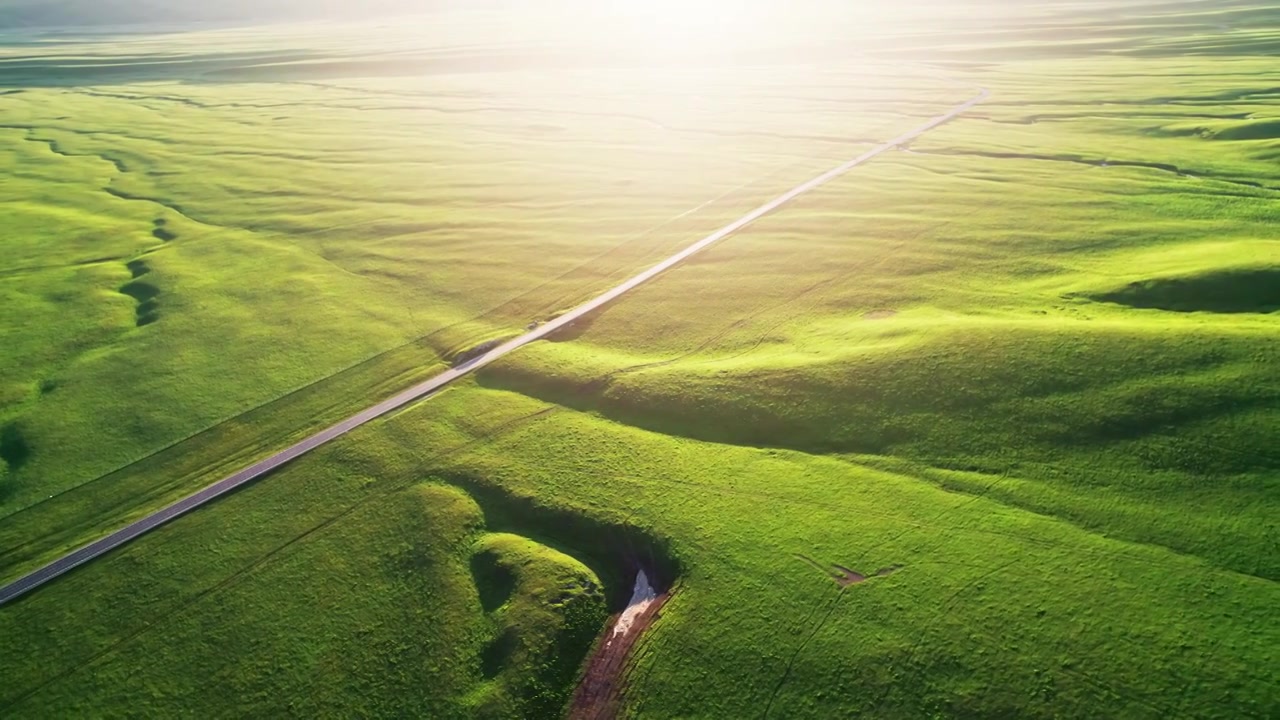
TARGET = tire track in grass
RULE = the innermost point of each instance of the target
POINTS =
(230, 581)
(242, 574)
(921, 666)
(786, 674)
(95, 549)
(553, 305)
(419, 339)
(741, 323)
(1104, 690)
(834, 508)
(1099, 163)
(921, 632)
(984, 572)
(648, 658)
(970, 499)
(804, 293)
(1068, 117)
(424, 338)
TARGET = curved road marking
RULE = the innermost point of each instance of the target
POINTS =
(93, 550)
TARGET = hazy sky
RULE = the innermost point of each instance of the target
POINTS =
(17, 13)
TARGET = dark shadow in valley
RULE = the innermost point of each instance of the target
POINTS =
(1228, 291)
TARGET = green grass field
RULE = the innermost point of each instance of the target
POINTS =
(1027, 365)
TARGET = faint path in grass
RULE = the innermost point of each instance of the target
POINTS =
(1094, 162)
(845, 576)
(353, 107)
(764, 334)
(1134, 115)
(243, 573)
(922, 632)
(93, 550)
(786, 674)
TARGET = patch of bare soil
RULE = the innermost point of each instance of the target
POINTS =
(844, 576)
(599, 696)
(880, 314)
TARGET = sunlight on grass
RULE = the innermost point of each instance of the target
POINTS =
(1026, 362)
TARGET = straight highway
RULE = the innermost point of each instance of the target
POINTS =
(100, 547)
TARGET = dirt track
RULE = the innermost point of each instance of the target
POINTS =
(599, 696)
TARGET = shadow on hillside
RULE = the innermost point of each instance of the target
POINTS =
(614, 550)
(14, 450)
(1228, 291)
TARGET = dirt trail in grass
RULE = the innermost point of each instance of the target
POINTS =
(599, 695)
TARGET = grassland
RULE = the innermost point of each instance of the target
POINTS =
(413, 223)
(1028, 362)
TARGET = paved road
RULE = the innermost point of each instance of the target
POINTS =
(98, 548)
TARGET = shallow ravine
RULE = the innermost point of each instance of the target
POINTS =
(600, 693)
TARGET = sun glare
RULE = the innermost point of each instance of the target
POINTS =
(673, 22)
(672, 27)
(675, 28)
